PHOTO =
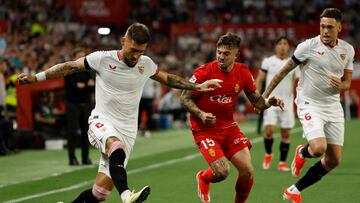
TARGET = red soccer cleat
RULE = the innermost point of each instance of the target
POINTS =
(267, 161)
(203, 189)
(294, 198)
(282, 166)
(298, 162)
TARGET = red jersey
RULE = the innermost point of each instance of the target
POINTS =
(220, 102)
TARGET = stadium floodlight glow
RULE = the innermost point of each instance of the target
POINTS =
(104, 30)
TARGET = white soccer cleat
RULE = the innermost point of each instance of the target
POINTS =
(138, 197)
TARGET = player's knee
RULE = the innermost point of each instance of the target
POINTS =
(222, 173)
(318, 150)
(100, 193)
(269, 132)
(247, 173)
(114, 145)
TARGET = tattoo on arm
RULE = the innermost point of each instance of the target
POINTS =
(290, 65)
(257, 100)
(64, 69)
(187, 101)
(180, 83)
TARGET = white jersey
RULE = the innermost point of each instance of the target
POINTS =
(118, 88)
(319, 62)
(284, 90)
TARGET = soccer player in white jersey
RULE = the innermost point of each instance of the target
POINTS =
(269, 67)
(326, 71)
(120, 79)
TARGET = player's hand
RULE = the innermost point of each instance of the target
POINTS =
(207, 118)
(273, 101)
(206, 86)
(335, 82)
(26, 78)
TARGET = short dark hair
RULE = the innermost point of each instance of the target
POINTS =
(332, 13)
(230, 40)
(139, 33)
(281, 38)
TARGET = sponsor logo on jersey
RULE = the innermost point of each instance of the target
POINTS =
(320, 53)
(237, 88)
(112, 67)
(192, 79)
(141, 69)
(212, 152)
(222, 99)
(343, 56)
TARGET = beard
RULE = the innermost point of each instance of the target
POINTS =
(129, 62)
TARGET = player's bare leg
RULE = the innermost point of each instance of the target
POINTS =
(268, 142)
(115, 150)
(242, 161)
(218, 171)
(99, 192)
(284, 149)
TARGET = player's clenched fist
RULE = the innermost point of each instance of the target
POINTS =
(207, 118)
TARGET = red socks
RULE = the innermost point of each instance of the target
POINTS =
(243, 188)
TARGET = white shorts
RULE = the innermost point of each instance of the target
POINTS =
(322, 121)
(286, 117)
(100, 129)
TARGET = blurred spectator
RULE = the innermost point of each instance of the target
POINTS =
(150, 95)
(79, 90)
(170, 104)
(49, 120)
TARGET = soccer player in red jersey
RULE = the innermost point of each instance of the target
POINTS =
(215, 132)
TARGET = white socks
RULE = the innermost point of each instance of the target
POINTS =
(125, 194)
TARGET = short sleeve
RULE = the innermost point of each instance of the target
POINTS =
(264, 65)
(301, 53)
(198, 77)
(250, 85)
(94, 59)
(350, 63)
(154, 69)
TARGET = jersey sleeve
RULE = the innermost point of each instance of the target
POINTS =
(301, 53)
(350, 63)
(199, 76)
(93, 60)
(153, 67)
(264, 65)
(250, 85)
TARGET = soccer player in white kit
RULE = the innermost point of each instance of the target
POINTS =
(327, 70)
(120, 79)
(269, 67)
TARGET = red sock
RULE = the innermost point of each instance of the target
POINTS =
(243, 188)
(207, 175)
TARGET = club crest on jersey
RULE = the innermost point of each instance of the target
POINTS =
(192, 79)
(212, 152)
(343, 56)
(237, 88)
(141, 69)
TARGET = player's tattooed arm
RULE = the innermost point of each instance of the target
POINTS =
(66, 68)
(260, 103)
(290, 65)
(180, 83)
(56, 71)
(187, 101)
(257, 100)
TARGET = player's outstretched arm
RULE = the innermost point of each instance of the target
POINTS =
(186, 99)
(289, 66)
(260, 103)
(180, 83)
(56, 71)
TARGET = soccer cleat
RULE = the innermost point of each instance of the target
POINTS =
(267, 161)
(297, 163)
(138, 197)
(282, 166)
(294, 198)
(203, 189)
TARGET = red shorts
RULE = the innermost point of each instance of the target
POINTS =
(225, 142)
